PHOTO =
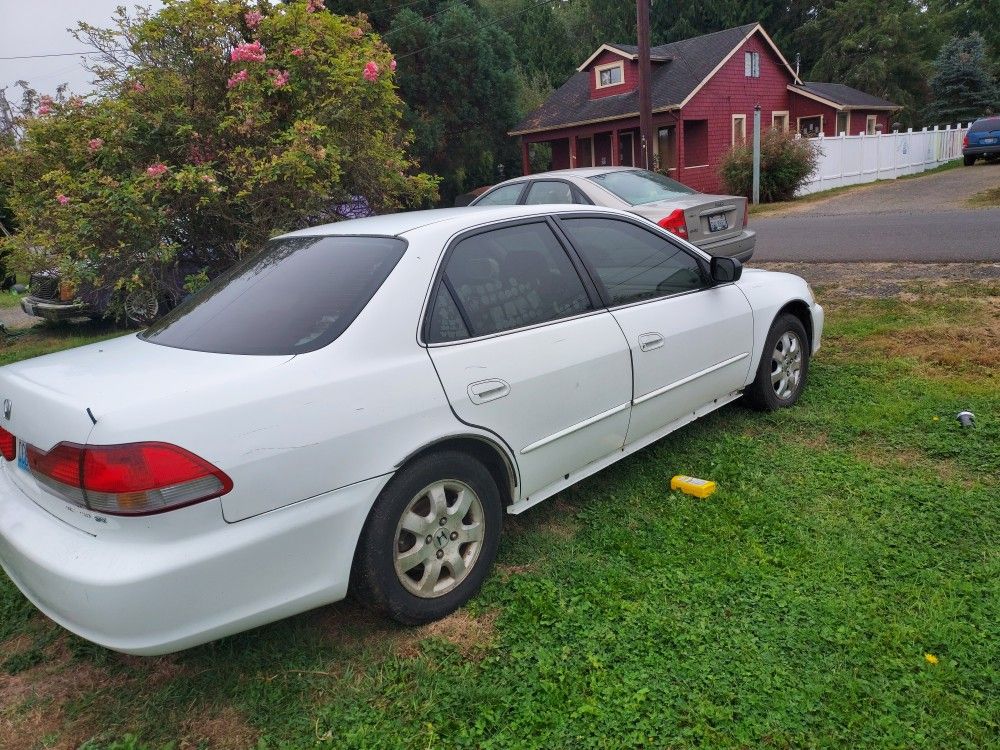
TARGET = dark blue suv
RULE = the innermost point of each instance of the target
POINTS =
(983, 139)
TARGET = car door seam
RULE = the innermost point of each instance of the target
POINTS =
(575, 427)
(684, 381)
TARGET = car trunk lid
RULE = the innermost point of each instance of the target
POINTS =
(60, 397)
(709, 218)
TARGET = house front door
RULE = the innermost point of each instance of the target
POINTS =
(627, 145)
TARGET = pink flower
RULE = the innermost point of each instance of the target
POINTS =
(76, 102)
(253, 18)
(63, 200)
(138, 87)
(297, 52)
(371, 71)
(356, 33)
(237, 79)
(207, 178)
(315, 5)
(392, 65)
(278, 77)
(94, 144)
(44, 105)
(155, 170)
(253, 52)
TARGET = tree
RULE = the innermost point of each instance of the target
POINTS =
(963, 86)
(214, 126)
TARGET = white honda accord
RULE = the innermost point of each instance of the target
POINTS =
(357, 405)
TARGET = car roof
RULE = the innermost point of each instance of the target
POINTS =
(393, 225)
(577, 172)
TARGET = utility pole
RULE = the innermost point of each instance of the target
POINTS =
(756, 155)
(645, 95)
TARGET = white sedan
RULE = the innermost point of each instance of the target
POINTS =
(357, 405)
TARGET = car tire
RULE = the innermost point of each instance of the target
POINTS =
(969, 160)
(783, 368)
(142, 307)
(418, 560)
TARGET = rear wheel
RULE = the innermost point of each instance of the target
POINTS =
(141, 306)
(430, 540)
(969, 160)
(781, 374)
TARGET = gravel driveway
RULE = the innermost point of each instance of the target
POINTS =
(922, 219)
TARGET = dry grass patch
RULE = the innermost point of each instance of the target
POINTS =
(905, 460)
(219, 729)
(471, 635)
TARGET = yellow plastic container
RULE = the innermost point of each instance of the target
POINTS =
(693, 486)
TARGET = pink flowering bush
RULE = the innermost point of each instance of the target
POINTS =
(371, 71)
(187, 175)
(314, 6)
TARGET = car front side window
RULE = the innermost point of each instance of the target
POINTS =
(632, 263)
(503, 279)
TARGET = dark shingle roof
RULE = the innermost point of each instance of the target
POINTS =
(844, 95)
(685, 64)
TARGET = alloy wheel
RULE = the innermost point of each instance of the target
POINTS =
(786, 365)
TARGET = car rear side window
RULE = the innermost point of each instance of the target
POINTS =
(985, 125)
(502, 196)
(296, 296)
(633, 263)
(549, 191)
(503, 279)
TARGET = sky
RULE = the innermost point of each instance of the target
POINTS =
(40, 27)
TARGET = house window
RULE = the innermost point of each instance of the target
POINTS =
(751, 64)
(843, 123)
(779, 121)
(870, 124)
(739, 129)
(611, 74)
(695, 143)
(810, 127)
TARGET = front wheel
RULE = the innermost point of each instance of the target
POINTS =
(430, 540)
(781, 374)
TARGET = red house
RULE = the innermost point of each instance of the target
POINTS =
(704, 91)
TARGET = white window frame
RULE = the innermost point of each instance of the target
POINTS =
(609, 66)
(798, 122)
(751, 64)
(781, 113)
(742, 119)
(871, 124)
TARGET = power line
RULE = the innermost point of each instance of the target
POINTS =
(537, 4)
(50, 54)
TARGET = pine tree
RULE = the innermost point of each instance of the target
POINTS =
(962, 85)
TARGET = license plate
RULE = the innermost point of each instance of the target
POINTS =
(988, 141)
(717, 222)
(22, 454)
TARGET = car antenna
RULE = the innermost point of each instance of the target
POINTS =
(91, 415)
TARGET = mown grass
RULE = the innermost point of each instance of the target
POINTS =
(986, 199)
(851, 537)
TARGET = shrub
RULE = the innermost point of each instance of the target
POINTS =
(215, 125)
(786, 163)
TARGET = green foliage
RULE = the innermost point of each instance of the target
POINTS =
(963, 85)
(786, 162)
(185, 154)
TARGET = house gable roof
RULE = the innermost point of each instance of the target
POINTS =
(686, 66)
(840, 96)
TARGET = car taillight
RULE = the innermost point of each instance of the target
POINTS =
(675, 223)
(8, 445)
(133, 479)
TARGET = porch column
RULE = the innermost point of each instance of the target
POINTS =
(525, 157)
(615, 156)
(679, 174)
(572, 151)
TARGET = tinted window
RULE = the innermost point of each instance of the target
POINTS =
(446, 322)
(636, 187)
(987, 124)
(508, 278)
(297, 295)
(633, 263)
(502, 196)
(548, 191)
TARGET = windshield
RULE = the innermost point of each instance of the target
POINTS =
(295, 296)
(636, 187)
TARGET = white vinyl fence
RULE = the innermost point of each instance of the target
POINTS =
(854, 159)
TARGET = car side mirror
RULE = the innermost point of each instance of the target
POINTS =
(724, 270)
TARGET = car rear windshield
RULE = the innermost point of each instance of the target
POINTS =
(295, 296)
(636, 187)
(989, 123)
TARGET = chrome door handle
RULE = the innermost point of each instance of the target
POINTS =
(488, 390)
(649, 341)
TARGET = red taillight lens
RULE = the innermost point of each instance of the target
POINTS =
(130, 479)
(8, 444)
(965, 140)
(675, 223)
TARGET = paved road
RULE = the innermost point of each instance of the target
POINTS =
(923, 219)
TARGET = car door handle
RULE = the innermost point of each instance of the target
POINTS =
(649, 341)
(488, 390)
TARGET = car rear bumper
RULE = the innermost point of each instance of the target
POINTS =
(740, 247)
(140, 595)
(981, 150)
(54, 311)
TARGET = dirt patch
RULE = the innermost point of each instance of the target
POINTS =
(884, 280)
(221, 729)
(507, 571)
(472, 636)
(905, 459)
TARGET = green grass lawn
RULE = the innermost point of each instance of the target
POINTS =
(853, 541)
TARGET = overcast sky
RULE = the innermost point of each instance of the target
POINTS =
(34, 27)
